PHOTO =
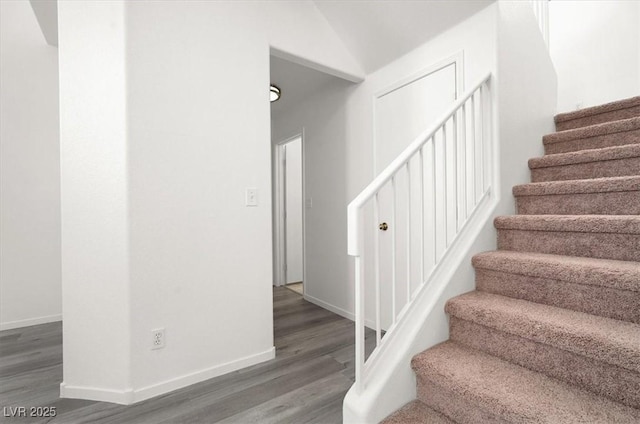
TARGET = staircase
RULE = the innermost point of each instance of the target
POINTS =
(552, 332)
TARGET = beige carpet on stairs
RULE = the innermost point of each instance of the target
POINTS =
(552, 332)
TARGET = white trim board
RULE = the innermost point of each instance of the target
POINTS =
(456, 59)
(336, 310)
(202, 375)
(279, 244)
(329, 307)
(122, 397)
(10, 325)
(129, 396)
(347, 76)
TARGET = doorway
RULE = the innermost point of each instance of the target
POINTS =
(289, 195)
(403, 112)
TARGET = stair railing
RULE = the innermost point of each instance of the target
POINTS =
(439, 196)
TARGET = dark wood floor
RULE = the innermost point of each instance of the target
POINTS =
(305, 383)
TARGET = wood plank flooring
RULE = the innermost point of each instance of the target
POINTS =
(305, 383)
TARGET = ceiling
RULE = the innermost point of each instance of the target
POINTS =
(46, 12)
(376, 32)
(370, 30)
(297, 83)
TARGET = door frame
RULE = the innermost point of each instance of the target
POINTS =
(456, 59)
(458, 88)
(279, 202)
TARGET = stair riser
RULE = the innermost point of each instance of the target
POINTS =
(599, 118)
(598, 142)
(460, 409)
(624, 247)
(416, 412)
(598, 377)
(595, 300)
(609, 168)
(609, 203)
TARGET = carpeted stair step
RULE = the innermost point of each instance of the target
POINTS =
(621, 109)
(473, 387)
(597, 236)
(599, 196)
(598, 354)
(416, 412)
(600, 287)
(608, 134)
(616, 161)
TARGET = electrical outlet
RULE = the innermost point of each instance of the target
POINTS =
(157, 338)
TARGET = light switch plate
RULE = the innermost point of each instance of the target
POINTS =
(251, 197)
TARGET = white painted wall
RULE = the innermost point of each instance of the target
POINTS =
(95, 197)
(169, 175)
(198, 131)
(378, 32)
(338, 124)
(293, 184)
(475, 38)
(30, 287)
(402, 115)
(595, 47)
(158, 240)
(325, 121)
(512, 47)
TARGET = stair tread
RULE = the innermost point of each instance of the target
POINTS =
(604, 142)
(592, 185)
(621, 275)
(620, 224)
(586, 156)
(596, 110)
(605, 339)
(607, 128)
(416, 412)
(512, 392)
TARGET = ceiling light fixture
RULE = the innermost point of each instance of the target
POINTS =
(274, 93)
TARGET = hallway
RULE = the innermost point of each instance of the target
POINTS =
(306, 382)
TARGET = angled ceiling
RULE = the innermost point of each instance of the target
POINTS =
(376, 32)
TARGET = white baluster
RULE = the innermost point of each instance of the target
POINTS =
(408, 232)
(376, 265)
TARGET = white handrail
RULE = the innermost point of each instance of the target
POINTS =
(365, 195)
(469, 172)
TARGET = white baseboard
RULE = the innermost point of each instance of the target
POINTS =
(198, 376)
(122, 397)
(29, 322)
(330, 307)
(129, 396)
(336, 310)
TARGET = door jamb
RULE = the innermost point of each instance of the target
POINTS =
(279, 193)
(456, 59)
